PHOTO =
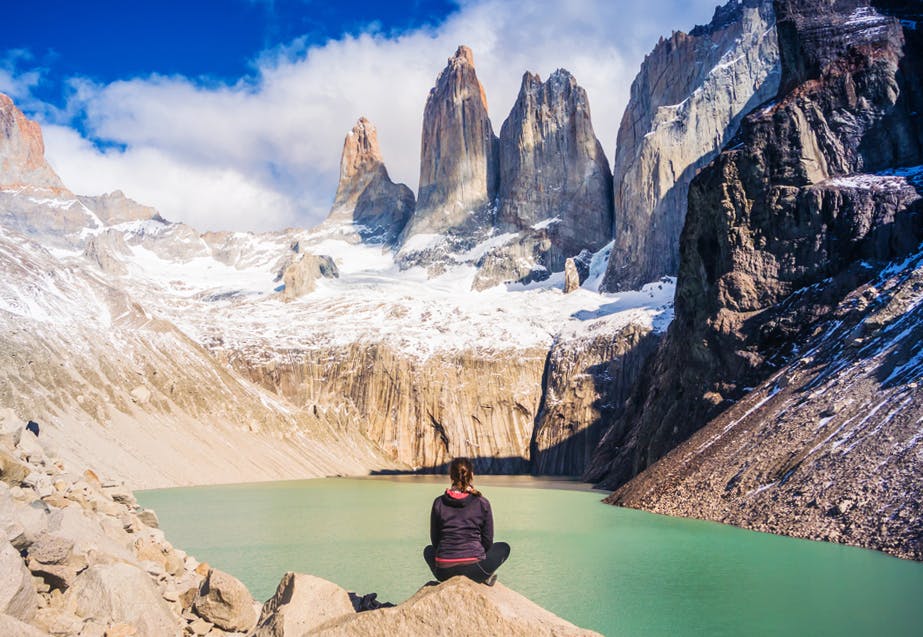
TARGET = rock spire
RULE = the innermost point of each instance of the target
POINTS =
(458, 163)
(553, 171)
(22, 150)
(366, 196)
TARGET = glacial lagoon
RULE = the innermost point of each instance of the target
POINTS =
(617, 571)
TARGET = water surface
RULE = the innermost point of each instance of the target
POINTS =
(618, 571)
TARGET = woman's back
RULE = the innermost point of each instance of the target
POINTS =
(461, 527)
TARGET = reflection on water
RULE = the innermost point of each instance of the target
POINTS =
(618, 571)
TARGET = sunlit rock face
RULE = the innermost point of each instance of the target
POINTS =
(366, 198)
(686, 103)
(22, 151)
(459, 166)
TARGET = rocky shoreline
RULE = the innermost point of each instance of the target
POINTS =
(80, 558)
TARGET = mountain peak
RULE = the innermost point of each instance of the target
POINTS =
(360, 151)
(22, 150)
(463, 55)
(366, 196)
(458, 163)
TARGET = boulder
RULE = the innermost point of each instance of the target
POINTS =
(458, 606)
(114, 593)
(301, 603)
(30, 447)
(225, 601)
(23, 523)
(89, 536)
(17, 592)
(12, 471)
(149, 518)
(51, 549)
(301, 277)
(12, 627)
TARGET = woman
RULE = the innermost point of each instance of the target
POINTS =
(461, 528)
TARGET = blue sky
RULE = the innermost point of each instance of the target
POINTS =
(213, 40)
(230, 114)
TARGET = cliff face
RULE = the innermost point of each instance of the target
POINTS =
(421, 412)
(586, 383)
(798, 212)
(841, 466)
(366, 197)
(22, 151)
(458, 157)
(555, 183)
(686, 103)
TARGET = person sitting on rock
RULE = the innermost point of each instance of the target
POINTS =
(461, 530)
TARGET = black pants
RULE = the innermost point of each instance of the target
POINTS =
(479, 571)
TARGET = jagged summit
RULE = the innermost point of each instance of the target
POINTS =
(459, 158)
(555, 187)
(366, 196)
(22, 151)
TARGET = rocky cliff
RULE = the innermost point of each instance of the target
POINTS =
(366, 198)
(587, 380)
(815, 194)
(421, 411)
(555, 185)
(112, 381)
(458, 157)
(827, 447)
(22, 151)
(686, 103)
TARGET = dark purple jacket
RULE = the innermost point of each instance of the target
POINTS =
(461, 528)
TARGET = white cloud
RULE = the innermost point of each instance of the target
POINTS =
(264, 152)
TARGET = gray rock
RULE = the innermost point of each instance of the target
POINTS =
(554, 175)
(300, 604)
(26, 522)
(12, 627)
(457, 607)
(51, 549)
(112, 593)
(17, 591)
(686, 103)
(89, 536)
(226, 602)
(149, 518)
(301, 277)
(459, 166)
(571, 276)
(366, 197)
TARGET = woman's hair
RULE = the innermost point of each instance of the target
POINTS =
(462, 474)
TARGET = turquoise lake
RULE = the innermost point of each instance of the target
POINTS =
(617, 571)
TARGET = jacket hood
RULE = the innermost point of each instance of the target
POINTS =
(458, 503)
